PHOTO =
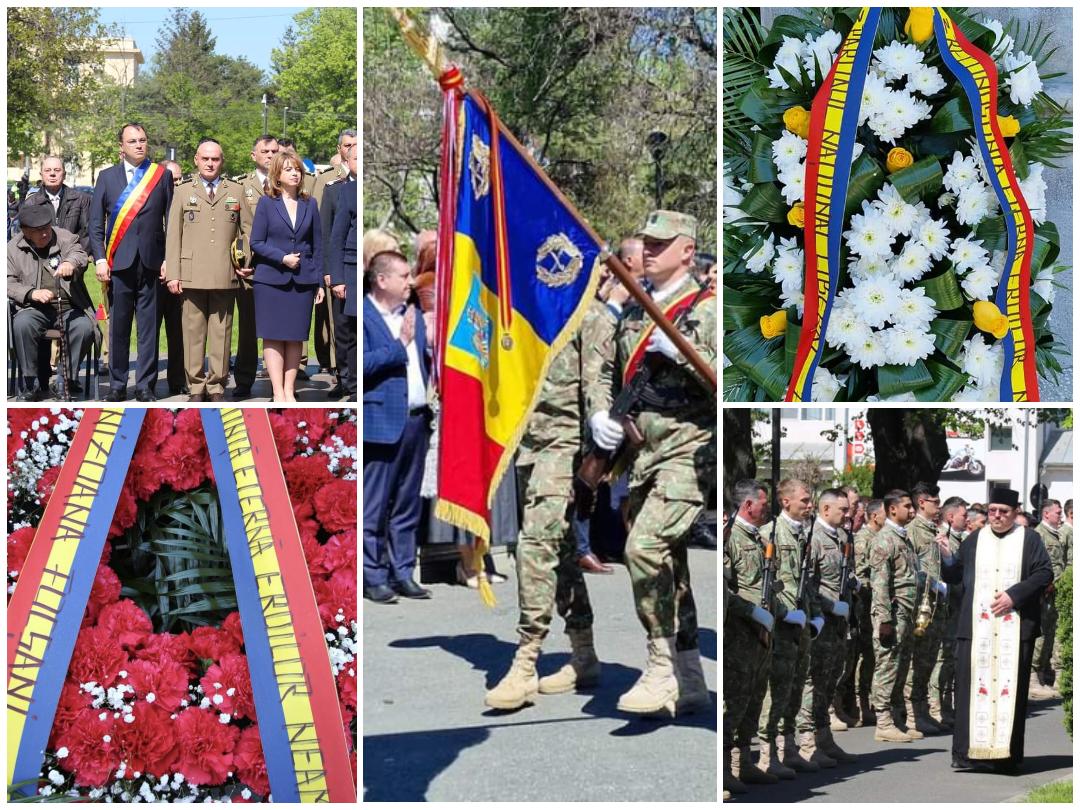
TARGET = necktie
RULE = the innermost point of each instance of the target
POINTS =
(210, 191)
(266, 186)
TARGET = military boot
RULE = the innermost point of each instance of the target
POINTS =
(827, 744)
(580, 672)
(727, 794)
(1036, 691)
(841, 713)
(769, 761)
(746, 771)
(520, 685)
(866, 711)
(788, 752)
(923, 721)
(937, 714)
(887, 731)
(657, 690)
(693, 691)
(731, 784)
(1055, 683)
(809, 750)
(835, 723)
(911, 722)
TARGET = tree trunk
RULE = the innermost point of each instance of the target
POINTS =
(738, 449)
(909, 447)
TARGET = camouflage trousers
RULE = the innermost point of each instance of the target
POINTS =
(781, 682)
(891, 664)
(746, 667)
(860, 650)
(549, 578)
(827, 658)
(943, 678)
(1046, 657)
(920, 685)
(798, 682)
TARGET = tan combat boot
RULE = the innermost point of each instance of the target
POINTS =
(910, 724)
(866, 712)
(1036, 691)
(580, 672)
(808, 750)
(842, 715)
(731, 784)
(657, 690)
(788, 752)
(835, 723)
(520, 685)
(887, 731)
(746, 771)
(827, 744)
(769, 761)
(727, 794)
(937, 714)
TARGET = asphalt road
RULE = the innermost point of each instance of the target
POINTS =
(429, 737)
(921, 771)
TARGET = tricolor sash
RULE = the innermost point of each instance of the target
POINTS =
(834, 117)
(143, 181)
(977, 74)
(995, 646)
(674, 310)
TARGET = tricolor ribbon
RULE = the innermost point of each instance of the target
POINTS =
(834, 118)
(977, 74)
(130, 202)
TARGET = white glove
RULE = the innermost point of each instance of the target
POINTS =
(815, 627)
(762, 617)
(659, 342)
(840, 609)
(606, 432)
(942, 588)
(795, 617)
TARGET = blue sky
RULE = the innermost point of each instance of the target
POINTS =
(249, 32)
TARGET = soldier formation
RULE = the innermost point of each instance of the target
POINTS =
(836, 615)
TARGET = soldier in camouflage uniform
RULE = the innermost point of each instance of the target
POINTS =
(864, 660)
(893, 564)
(1046, 666)
(1067, 532)
(672, 472)
(548, 574)
(778, 753)
(954, 513)
(746, 628)
(922, 532)
(828, 652)
(842, 708)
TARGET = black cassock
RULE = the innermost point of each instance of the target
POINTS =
(1027, 594)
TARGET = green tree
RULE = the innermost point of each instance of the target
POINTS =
(315, 77)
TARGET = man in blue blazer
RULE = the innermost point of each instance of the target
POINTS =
(343, 273)
(396, 429)
(127, 240)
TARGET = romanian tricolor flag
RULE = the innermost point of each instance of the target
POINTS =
(515, 275)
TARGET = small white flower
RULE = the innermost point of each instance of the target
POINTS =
(967, 253)
(983, 362)
(897, 212)
(230, 691)
(963, 171)
(1033, 187)
(756, 262)
(56, 777)
(934, 235)
(978, 283)
(913, 262)
(821, 50)
(224, 719)
(1022, 78)
(150, 697)
(1003, 43)
(874, 300)
(906, 346)
(925, 80)
(870, 352)
(788, 150)
(62, 752)
(107, 738)
(896, 61)
(846, 328)
(218, 700)
(914, 309)
(825, 387)
(792, 179)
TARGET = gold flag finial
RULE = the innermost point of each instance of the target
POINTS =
(423, 43)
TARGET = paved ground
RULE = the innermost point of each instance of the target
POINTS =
(920, 771)
(428, 736)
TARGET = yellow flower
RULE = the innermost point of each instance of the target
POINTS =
(774, 325)
(988, 318)
(1008, 125)
(920, 24)
(898, 158)
(797, 215)
(797, 121)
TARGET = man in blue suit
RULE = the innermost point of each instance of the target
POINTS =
(342, 267)
(396, 420)
(127, 240)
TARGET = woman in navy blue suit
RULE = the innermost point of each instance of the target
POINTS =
(286, 239)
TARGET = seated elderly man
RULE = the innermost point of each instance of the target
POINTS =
(45, 285)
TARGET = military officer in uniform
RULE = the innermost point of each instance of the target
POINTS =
(254, 184)
(205, 218)
(673, 471)
(1046, 667)
(864, 660)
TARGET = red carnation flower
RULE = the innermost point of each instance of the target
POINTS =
(184, 459)
(347, 433)
(167, 647)
(97, 657)
(126, 512)
(305, 476)
(284, 435)
(212, 643)
(157, 426)
(250, 764)
(234, 628)
(73, 702)
(18, 546)
(126, 622)
(310, 422)
(304, 510)
(145, 476)
(91, 757)
(148, 744)
(339, 553)
(167, 681)
(105, 592)
(337, 596)
(231, 674)
(335, 505)
(346, 684)
(205, 747)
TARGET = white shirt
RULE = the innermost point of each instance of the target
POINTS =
(394, 320)
(53, 198)
(129, 170)
(211, 185)
(262, 176)
(750, 528)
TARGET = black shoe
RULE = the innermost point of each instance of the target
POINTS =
(301, 374)
(145, 395)
(380, 594)
(410, 590)
(178, 390)
(74, 387)
(31, 394)
(337, 392)
(976, 766)
(116, 395)
(241, 392)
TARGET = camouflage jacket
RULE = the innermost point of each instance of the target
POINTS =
(1054, 547)
(789, 543)
(1066, 540)
(893, 565)
(826, 561)
(862, 554)
(923, 536)
(744, 558)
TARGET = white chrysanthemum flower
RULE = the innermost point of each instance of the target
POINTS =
(874, 95)
(789, 265)
(1003, 43)
(974, 204)
(826, 386)
(982, 361)
(869, 352)
(846, 328)
(1034, 190)
(914, 309)
(913, 263)
(869, 236)
(732, 200)
(757, 262)
(963, 171)
(967, 253)
(874, 300)
(905, 346)
(896, 61)
(925, 80)
(1022, 78)
(787, 57)
(793, 298)
(822, 50)
(792, 178)
(872, 267)
(978, 283)
(1044, 285)
(934, 235)
(788, 150)
(897, 212)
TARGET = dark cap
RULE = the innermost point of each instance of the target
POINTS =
(1008, 497)
(36, 214)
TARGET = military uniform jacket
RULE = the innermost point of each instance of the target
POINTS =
(1066, 540)
(27, 272)
(863, 538)
(200, 235)
(744, 556)
(252, 190)
(1054, 547)
(324, 178)
(922, 533)
(826, 561)
(788, 541)
(893, 565)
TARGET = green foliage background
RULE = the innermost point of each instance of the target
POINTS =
(1063, 598)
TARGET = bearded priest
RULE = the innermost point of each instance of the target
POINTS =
(1005, 571)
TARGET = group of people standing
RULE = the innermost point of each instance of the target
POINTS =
(864, 611)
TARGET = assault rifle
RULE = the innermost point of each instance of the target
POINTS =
(768, 578)
(847, 550)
